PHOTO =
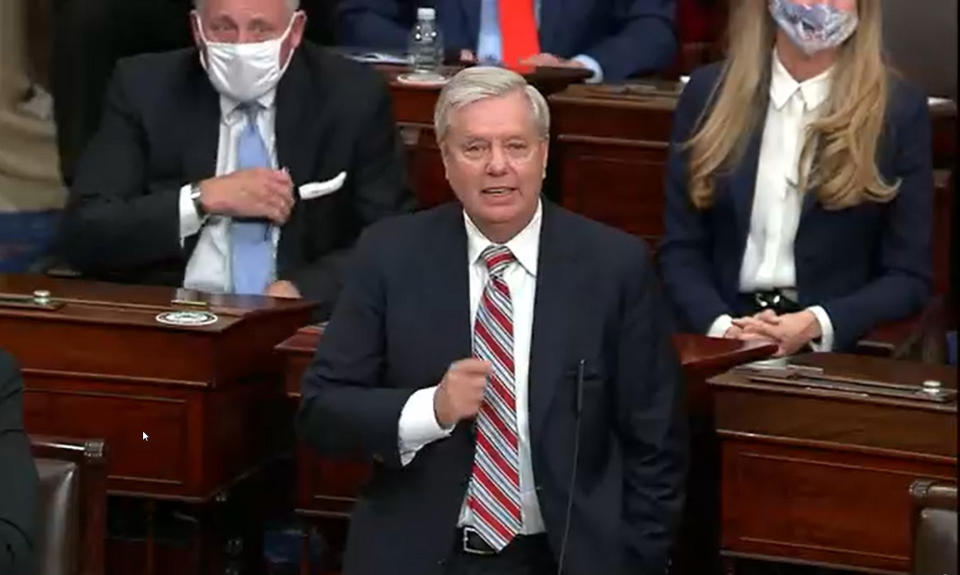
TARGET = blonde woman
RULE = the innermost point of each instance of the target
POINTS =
(799, 188)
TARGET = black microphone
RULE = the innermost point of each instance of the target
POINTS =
(578, 409)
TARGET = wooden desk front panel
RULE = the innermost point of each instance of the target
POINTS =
(328, 487)
(198, 442)
(121, 414)
(126, 351)
(816, 504)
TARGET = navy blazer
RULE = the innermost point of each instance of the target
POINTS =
(865, 265)
(626, 37)
(404, 317)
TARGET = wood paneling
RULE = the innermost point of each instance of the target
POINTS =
(818, 476)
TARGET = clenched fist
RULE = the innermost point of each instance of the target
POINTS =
(254, 193)
(460, 394)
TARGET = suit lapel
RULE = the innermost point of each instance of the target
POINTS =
(201, 119)
(744, 178)
(445, 284)
(297, 143)
(471, 17)
(560, 285)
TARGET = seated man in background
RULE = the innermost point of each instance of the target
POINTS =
(507, 365)
(248, 164)
(18, 477)
(89, 36)
(612, 38)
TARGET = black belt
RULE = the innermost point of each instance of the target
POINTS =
(469, 541)
(781, 301)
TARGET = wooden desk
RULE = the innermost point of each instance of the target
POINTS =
(186, 412)
(824, 477)
(327, 489)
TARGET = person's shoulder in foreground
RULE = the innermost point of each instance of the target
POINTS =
(18, 478)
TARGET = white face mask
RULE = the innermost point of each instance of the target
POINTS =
(244, 72)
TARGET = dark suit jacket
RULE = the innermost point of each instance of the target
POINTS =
(626, 37)
(18, 476)
(160, 130)
(404, 317)
(865, 265)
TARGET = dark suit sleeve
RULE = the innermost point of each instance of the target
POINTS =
(345, 407)
(111, 221)
(379, 189)
(652, 425)
(644, 42)
(372, 24)
(685, 251)
(903, 280)
(18, 478)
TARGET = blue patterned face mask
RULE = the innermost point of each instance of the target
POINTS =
(813, 28)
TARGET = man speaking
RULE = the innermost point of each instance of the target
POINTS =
(508, 367)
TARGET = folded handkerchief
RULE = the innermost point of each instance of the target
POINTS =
(315, 190)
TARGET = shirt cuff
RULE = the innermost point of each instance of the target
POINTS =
(720, 326)
(826, 329)
(418, 424)
(190, 221)
(591, 65)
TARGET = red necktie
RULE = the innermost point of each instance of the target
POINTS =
(518, 31)
(494, 491)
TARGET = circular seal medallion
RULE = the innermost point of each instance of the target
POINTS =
(187, 318)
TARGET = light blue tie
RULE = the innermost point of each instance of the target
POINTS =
(251, 245)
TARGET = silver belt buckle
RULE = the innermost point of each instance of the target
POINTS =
(466, 543)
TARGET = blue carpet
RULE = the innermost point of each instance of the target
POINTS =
(25, 237)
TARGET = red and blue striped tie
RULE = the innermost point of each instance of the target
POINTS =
(494, 491)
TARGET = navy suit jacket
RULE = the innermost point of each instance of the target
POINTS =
(626, 37)
(18, 477)
(160, 130)
(404, 317)
(865, 265)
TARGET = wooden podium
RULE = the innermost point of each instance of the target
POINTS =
(814, 475)
(327, 488)
(187, 412)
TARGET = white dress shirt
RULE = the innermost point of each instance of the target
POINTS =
(768, 261)
(418, 424)
(209, 266)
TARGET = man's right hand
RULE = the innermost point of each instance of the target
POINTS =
(460, 394)
(253, 193)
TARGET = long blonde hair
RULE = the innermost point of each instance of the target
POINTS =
(840, 146)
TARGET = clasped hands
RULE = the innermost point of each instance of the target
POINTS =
(790, 331)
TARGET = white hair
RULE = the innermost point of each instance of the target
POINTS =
(292, 5)
(479, 83)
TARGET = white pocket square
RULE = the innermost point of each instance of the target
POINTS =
(317, 189)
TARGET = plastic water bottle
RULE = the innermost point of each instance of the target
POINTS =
(426, 44)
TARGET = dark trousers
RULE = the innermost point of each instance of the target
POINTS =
(524, 556)
(89, 36)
